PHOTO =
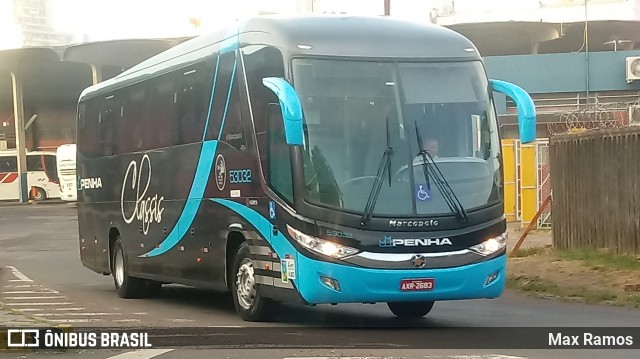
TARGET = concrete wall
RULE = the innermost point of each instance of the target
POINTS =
(554, 73)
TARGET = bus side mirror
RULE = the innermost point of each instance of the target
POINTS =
(526, 108)
(290, 107)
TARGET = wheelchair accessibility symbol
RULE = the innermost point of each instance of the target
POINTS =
(423, 192)
(272, 210)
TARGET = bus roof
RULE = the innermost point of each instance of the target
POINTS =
(326, 35)
(15, 153)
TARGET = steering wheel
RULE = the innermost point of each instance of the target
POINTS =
(355, 179)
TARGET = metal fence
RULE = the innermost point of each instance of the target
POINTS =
(596, 190)
(544, 182)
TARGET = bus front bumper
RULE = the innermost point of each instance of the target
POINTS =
(321, 282)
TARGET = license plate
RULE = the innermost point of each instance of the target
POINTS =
(414, 285)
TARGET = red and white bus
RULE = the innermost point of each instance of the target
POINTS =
(41, 175)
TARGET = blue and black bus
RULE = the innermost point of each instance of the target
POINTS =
(316, 160)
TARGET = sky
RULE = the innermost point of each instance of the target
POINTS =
(117, 19)
(99, 20)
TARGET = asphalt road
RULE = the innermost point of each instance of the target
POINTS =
(39, 250)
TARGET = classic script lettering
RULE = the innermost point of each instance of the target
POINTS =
(146, 210)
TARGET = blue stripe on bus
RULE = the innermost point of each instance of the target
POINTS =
(230, 43)
(279, 243)
(215, 79)
(226, 106)
(193, 202)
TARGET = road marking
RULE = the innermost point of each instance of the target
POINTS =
(126, 320)
(141, 354)
(225, 326)
(60, 309)
(20, 286)
(20, 304)
(74, 320)
(25, 298)
(75, 314)
(21, 277)
(31, 292)
(485, 356)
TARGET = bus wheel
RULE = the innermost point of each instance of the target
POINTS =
(38, 194)
(126, 286)
(251, 306)
(410, 309)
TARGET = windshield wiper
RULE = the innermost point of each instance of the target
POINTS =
(385, 166)
(430, 167)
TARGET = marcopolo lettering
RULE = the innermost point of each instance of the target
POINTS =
(414, 223)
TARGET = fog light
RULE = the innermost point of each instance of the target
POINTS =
(331, 283)
(491, 278)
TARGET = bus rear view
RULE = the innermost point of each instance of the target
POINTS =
(66, 158)
(333, 160)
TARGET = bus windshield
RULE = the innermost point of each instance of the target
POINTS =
(354, 111)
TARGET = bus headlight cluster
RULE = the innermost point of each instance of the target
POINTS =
(491, 245)
(321, 246)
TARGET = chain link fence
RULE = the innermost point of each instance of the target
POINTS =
(544, 182)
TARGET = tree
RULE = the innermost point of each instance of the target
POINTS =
(387, 7)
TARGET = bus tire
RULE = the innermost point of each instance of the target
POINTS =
(409, 310)
(249, 304)
(126, 286)
(38, 194)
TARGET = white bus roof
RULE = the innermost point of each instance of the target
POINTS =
(15, 153)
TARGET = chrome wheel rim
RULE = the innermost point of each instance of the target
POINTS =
(119, 268)
(246, 284)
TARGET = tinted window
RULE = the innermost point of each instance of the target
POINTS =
(222, 79)
(34, 163)
(106, 127)
(87, 136)
(162, 113)
(193, 98)
(279, 155)
(8, 164)
(134, 112)
(260, 62)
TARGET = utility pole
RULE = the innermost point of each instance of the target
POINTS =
(387, 7)
(18, 114)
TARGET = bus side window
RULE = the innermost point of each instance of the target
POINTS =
(260, 62)
(194, 93)
(279, 156)
(233, 132)
(51, 167)
(220, 96)
(162, 113)
(8, 164)
(88, 133)
(34, 163)
(133, 120)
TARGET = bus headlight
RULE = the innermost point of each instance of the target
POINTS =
(491, 245)
(321, 246)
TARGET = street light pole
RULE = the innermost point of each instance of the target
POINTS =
(387, 7)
